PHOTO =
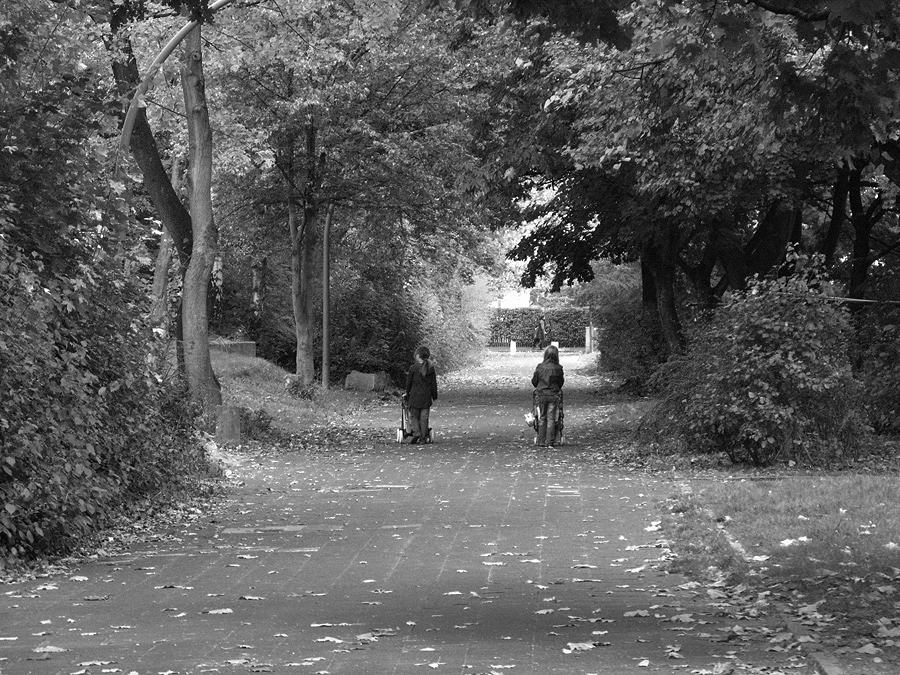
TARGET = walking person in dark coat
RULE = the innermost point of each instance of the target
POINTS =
(540, 334)
(547, 381)
(421, 390)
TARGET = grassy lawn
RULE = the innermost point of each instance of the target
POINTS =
(825, 547)
(269, 409)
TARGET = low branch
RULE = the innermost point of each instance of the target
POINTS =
(791, 10)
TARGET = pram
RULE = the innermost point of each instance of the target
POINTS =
(405, 428)
(533, 419)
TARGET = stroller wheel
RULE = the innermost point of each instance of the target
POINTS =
(399, 435)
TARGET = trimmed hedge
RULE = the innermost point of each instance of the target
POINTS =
(565, 325)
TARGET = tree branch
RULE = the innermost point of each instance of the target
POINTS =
(791, 10)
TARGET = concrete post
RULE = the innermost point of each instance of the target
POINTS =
(228, 425)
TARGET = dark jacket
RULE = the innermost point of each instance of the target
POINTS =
(548, 378)
(421, 390)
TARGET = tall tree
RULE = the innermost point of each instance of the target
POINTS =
(201, 380)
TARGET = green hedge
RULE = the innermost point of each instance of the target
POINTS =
(565, 325)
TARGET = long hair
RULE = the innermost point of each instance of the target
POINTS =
(551, 354)
(424, 354)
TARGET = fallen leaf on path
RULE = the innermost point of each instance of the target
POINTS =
(682, 618)
(578, 647)
(869, 648)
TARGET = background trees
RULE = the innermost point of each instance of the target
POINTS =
(721, 134)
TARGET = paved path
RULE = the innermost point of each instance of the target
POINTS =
(480, 554)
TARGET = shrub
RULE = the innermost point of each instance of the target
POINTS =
(768, 378)
(379, 324)
(879, 359)
(630, 342)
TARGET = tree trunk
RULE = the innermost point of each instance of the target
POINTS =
(303, 246)
(838, 216)
(216, 293)
(202, 382)
(172, 213)
(766, 249)
(648, 290)
(326, 297)
(257, 295)
(700, 275)
(159, 309)
(296, 264)
(660, 257)
(863, 221)
(303, 310)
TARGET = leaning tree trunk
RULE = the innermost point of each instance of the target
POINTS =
(159, 311)
(202, 382)
(174, 216)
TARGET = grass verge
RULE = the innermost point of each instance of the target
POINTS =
(273, 405)
(831, 542)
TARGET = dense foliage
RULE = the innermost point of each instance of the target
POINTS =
(88, 425)
(768, 378)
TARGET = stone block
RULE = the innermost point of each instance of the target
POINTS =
(358, 381)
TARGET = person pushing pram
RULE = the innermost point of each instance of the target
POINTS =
(547, 381)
